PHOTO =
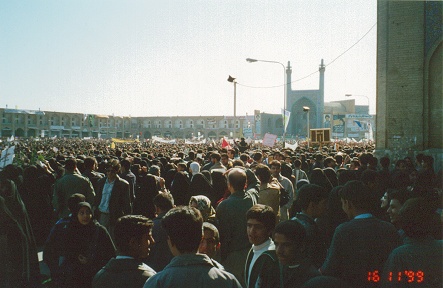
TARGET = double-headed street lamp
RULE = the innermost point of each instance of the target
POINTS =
(284, 91)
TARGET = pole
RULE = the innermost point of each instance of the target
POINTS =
(308, 129)
(235, 108)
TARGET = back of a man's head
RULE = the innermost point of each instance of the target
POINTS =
(70, 164)
(183, 225)
(129, 228)
(359, 194)
(237, 179)
(263, 173)
(311, 193)
(164, 201)
(89, 162)
(416, 217)
(292, 230)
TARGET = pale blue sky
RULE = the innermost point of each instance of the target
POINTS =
(169, 58)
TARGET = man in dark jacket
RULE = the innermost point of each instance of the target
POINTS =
(362, 244)
(133, 238)
(113, 197)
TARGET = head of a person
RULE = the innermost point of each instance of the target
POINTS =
(154, 170)
(263, 173)
(215, 157)
(210, 242)
(260, 223)
(231, 153)
(163, 202)
(194, 168)
(183, 225)
(396, 200)
(385, 162)
(90, 163)
(416, 217)
(112, 169)
(356, 198)
(244, 157)
(275, 168)
(329, 162)
(290, 242)
(70, 165)
(133, 236)
(181, 166)
(297, 164)
(258, 157)
(313, 200)
(84, 214)
(125, 165)
(203, 204)
(236, 179)
(74, 199)
(224, 159)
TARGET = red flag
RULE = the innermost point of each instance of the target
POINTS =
(225, 144)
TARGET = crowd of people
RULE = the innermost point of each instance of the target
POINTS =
(149, 214)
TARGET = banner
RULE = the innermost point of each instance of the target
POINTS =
(286, 119)
(116, 140)
(7, 156)
(269, 140)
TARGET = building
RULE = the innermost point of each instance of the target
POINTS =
(409, 78)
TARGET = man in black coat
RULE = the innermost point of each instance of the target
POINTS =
(113, 197)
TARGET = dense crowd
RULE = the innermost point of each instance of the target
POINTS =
(150, 214)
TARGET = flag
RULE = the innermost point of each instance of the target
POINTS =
(7, 156)
(225, 144)
(286, 115)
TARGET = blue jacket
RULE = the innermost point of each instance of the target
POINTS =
(193, 271)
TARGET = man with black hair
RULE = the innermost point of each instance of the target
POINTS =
(188, 268)
(275, 166)
(126, 173)
(113, 197)
(133, 238)
(290, 246)
(362, 244)
(90, 172)
(160, 254)
(261, 269)
(417, 263)
(313, 200)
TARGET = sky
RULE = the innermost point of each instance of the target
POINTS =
(173, 57)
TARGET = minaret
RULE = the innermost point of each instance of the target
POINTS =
(321, 95)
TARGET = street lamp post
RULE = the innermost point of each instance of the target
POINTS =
(232, 80)
(306, 109)
(353, 95)
(250, 60)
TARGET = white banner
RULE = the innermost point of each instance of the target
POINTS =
(269, 140)
(7, 156)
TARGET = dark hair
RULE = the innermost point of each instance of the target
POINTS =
(238, 162)
(74, 200)
(183, 225)
(400, 195)
(292, 230)
(359, 194)
(164, 201)
(70, 164)
(264, 214)
(297, 163)
(216, 155)
(416, 217)
(369, 176)
(89, 162)
(126, 164)
(237, 179)
(257, 156)
(263, 173)
(129, 227)
(275, 163)
(311, 193)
